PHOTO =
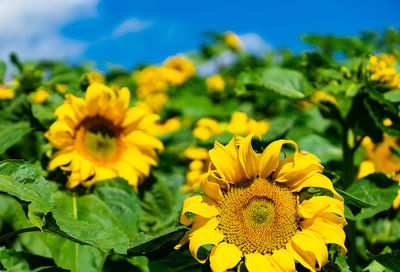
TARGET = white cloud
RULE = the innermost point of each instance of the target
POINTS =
(32, 28)
(131, 25)
(254, 44)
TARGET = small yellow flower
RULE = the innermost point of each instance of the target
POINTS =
(320, 96)
(215, 83)
(252, 210)
(155, 128)
(382, 69)
(380, 158)
(6, 93)
(101, 137)
(232, 40)
(241, 124)
(154, 102)
(197, 167)
(150, 80)
(61, 88)
(182, 65)
(94, 77)
(207, 128)
(40, 96)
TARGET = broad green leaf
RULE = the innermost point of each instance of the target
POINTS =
(144, 244)
(16, 261)
(177, 261)
(389, 260)
(392, 96)
(321, 147)
(123, 203)
(350, 199)
(12, 133)
(376, 190)
(281, 81)
(86, 220)
(23, 181)
(342, 263)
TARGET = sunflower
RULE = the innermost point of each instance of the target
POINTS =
(382, 69)
(242, 124)
(252, 209)
(198, 166)
(381, 158)
(232, 40)
(215, 83)
(100, 137)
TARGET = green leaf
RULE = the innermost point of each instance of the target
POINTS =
(392, 96)
(349, 199)
(88, 221)
(342, 263)
(23, 181)
(281, 81)
(376, 190)
(321, 147)
(122, 202)
(389, 260)
(144, 244)
(12, 133)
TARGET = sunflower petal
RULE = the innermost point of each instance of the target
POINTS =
(296, 168)
(211, 189)
(61, 157)
(201, 237)
(317, 180)
(269, 159)
(256, 262)
(248, 158)
(224, 256)
(284, 260)
(225, 159)
(308, 249)
(200, 205)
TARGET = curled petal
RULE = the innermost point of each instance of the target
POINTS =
(269, 159)
(248, 158)
(200, 205)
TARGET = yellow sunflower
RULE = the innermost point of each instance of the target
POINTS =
(215, 83)
(182, 65)
(198, 166)
(252, 210)
(6, 93)
(100, 137)
(382, 69)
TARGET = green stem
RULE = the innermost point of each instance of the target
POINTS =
(347, 180)
(14, 233)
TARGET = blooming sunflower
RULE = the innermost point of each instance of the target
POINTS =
(382, 69)
(381, 158)
(242, 124)
(252, 209)
(215, 83)
(100, 137)
(182, 65)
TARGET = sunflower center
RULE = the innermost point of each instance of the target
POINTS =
(98, 138)
(258, 216)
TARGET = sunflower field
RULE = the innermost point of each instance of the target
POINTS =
(276, 162)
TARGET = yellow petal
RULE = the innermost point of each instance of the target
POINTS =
(283, 260)
(317, 204)
(269, 159)
(366, 167)
(124, 96)
(308, 249)
(201, 237)
(211, 189)
(199, 223)
(143, 139)
(316, 180)
(224, 256)
(330, 232)
(226, 161)
(200, 205)
(256, 262)
(61, 157)
(248, 158)
(296, 168)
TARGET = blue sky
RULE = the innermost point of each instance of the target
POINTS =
(129, 32)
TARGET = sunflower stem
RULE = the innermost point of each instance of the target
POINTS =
(9, 235)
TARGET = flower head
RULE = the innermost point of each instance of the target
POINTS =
(182, 65)
(6, 93)
(207, 128)
(242, 124)
(215, 83)
(232, 40)
(40, 96)
(382, 69)
(252, 209)
(94, 77)
(101, 137)
(198, 166)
